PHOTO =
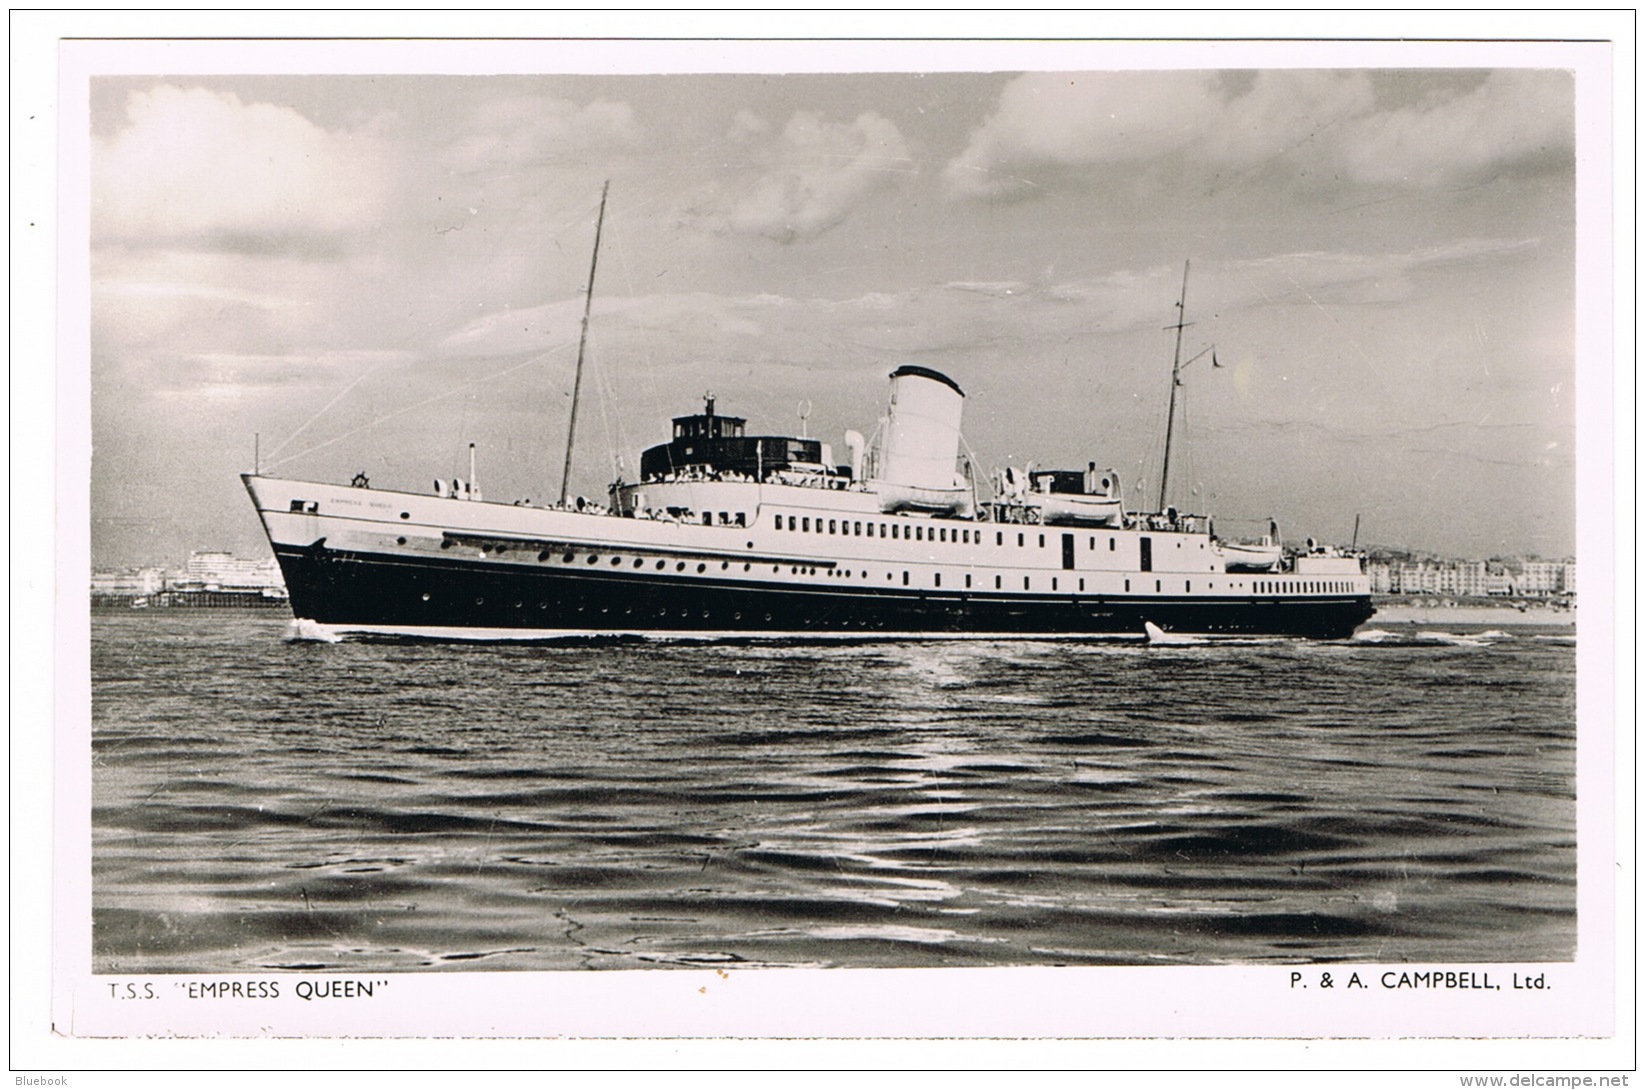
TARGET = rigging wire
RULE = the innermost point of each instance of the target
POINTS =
(1188, 461)
(435, 318)
(533, 361)
(428, 323)
(606, 376)
(648, 370)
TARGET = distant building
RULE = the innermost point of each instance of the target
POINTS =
(1473, 578)
(1545, 577)
(1500, 582)
(1423, 577)
(210, 578)
(128, 582)
(226, 572)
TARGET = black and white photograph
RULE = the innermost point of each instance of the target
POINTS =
(870, 526)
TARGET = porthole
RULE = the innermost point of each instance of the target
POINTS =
(542, 556)
(638, 563)
(701, 568)
(405, 514)
(661, 564)
(724, 564)
(680, 566)
(445, 544)
(425, 595)
(568, 557)
(616, 560)
(479, 601)
(593, 558)
(400, 540)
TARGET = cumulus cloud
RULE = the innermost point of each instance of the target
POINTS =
(679, 316)
(1045, 119)
(1332, 121)
(526, 130)
(812, 176)
(1354, 278)
(1512, 115)
(748, 125)
(199, 166)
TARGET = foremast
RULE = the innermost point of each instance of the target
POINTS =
(582, 345)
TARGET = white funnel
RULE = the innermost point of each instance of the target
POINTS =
(922, 438)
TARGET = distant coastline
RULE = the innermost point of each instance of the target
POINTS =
(1399, 610)
(191, 599)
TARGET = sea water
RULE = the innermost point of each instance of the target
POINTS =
(268, 804)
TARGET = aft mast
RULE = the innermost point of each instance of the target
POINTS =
(582, 344)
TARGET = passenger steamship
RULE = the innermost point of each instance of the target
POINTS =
(727, 533)
(731, 534)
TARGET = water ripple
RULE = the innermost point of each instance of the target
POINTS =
(262, 804)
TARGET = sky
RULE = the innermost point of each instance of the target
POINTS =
(332, 274)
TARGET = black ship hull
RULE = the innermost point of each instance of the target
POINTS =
(422, 595)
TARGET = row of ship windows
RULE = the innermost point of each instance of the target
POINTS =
(627, 611)
(959, 536)
(1261, 586)
(1308, 586)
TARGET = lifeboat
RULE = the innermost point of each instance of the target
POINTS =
(1067, 497)
(1242, 556)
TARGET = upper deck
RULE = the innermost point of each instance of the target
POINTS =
(708, 443)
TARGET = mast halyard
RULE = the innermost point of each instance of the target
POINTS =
(582, 344)
(1176, 380)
